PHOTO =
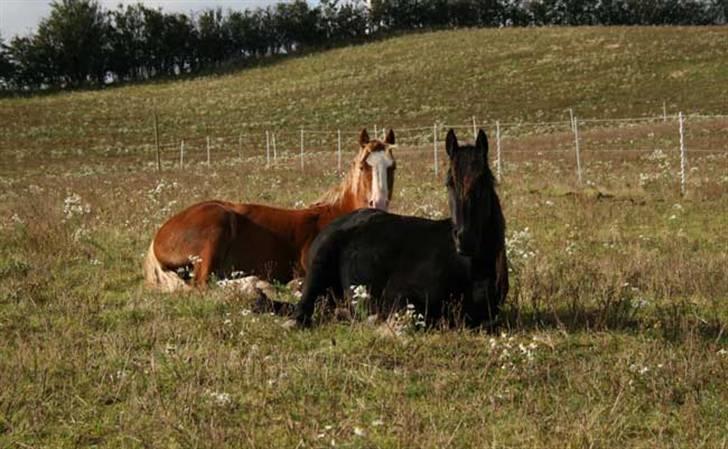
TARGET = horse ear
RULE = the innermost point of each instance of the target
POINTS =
(451, 143)
(390, 137)
(363, 137)
(481, 144)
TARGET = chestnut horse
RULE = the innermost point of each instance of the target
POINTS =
(217, 237)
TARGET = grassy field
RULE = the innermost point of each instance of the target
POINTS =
(614, 334)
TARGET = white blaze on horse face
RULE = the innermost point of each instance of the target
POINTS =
(379, 161)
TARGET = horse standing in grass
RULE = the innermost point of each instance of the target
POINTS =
(217, 237)
(451, 268)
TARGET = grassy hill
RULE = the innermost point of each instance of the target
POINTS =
(615, 329)
(448, 76)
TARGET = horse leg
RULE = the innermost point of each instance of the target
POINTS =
(264, 304)
(205, 265)
(322, 276)
(482, 309)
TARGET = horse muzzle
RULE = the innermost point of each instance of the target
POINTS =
(381, 204)
(463, 245)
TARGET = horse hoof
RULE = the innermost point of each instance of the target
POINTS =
(295, 285)
(262, 304)
(290, 324)
(343, 314)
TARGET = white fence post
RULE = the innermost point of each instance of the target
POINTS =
(208, 151)
(664, 112)
(683, 155)
(275, 149)
(475, 129)
(182, 154)
(434, 147)
(575, 125)
(240, 146)
(301, 148)
(376, 133)
(499, 169)
(338, 149)
(267, 149)
(571, 118)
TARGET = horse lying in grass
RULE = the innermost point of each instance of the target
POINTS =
(217, 237)
(452, 268)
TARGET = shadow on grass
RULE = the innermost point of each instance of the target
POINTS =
(673, 322)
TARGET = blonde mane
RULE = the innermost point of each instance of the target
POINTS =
(335, 195)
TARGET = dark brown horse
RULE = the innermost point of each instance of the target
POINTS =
(218, 237)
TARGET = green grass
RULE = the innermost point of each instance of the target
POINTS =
(415, 80)
(614, 334)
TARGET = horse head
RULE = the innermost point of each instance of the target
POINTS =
(470, 192)
(375, 165)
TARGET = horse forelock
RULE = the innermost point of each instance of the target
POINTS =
(470, 172)
(353, 181)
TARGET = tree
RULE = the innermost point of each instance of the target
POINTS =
(126, 42)
(75, 35)
(212, 40)
(179, 42)
(7, 69)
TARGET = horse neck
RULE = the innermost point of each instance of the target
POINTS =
(492, 242)
(347, 202)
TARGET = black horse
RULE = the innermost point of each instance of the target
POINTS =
(447, 268)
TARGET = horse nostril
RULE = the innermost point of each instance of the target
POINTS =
(371, 203)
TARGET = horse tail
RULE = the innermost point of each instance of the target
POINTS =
(159, 278)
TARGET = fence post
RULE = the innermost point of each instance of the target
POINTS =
(376, 132)
(571, 118)
(267, 149)
(475, 129)
(434, 147)
(338, 149)
(240, 146)
(275, 149)
(182, 154)
(156, 143)
(208, 151)
(301, 148)
(498, 166)
(683, 156)
(575, 125)
(664, 112)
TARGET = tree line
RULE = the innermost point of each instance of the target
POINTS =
(82, 44)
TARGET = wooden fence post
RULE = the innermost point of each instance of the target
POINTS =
(240, 146)
(338, 149)
(208, 151)
(683, 155)
(275, 149)
(182, 154)
(571, 118)
(301, 148)
(156, 143)
(575, 125)
(434, 148)
(267, 149)
(499, 168)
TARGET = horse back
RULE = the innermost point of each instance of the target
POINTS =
(396, 257)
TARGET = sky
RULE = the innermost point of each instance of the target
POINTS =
(22, 16)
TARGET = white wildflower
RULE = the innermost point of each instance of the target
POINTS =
(220, 398)
(360, 292)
